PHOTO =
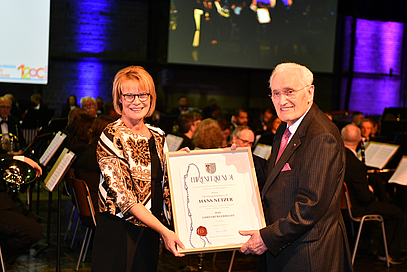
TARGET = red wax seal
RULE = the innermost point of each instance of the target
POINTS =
(201, 231)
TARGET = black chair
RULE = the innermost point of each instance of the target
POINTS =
(86, 213)
(346, 205)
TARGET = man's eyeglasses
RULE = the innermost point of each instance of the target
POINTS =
(245, 142)
(141, 96)
(6, 107)
(290, 93)
(88, 105)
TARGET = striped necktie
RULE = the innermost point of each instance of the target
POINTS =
(284, 142)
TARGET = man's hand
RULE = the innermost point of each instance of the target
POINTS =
(254, 245)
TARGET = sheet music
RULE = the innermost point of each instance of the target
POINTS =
(59, 169)
(263, 151)
(52, 148)
(378, 154)
(400, 175)
(173, 142)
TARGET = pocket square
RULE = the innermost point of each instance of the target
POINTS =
(286, 167)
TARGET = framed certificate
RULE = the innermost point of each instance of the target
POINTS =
(214, 194)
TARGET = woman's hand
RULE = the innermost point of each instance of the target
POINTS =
(172, 242)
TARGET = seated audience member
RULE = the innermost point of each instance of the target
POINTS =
(71, 116)
(38, 115)
(18, 228)
(259, 124)
(366, 126)
(207, 135)
(87, 166)
(225, 127)
(15, 107)
(188, 123)
(99, 104)
(71, 103)
(212, 110)
(243, 136)
(9, 124)
(375, 128)
(73, 113)
(89, 104)
(182, 107)
(363, 198)
(78, 135)
(109, 110)
(240, 118)
(274, 123)
(268, 137)
(357, 117)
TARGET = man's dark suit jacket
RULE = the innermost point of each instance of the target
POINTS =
(355, 178)
(305, 229)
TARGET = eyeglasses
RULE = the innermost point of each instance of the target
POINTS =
(88, 105)
(245, 142)
(5, 107)
(141, 96)
(290, 93)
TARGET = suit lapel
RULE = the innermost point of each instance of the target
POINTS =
(294, 143)
(276, 145)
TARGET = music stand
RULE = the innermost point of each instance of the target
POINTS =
(49, 153)
(55, 125)
(36, 143)
(52, 180)
(30, 151)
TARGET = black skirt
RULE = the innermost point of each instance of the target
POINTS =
(121, 246)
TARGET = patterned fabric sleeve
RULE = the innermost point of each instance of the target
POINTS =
(116, 190)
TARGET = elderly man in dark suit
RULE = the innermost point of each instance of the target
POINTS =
(301, 197)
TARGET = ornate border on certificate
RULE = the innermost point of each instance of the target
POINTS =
(214, 194)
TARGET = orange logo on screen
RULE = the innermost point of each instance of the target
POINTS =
(28, 73)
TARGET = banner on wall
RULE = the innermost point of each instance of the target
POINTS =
(24, 49)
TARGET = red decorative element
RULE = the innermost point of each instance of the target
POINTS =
(201, 231)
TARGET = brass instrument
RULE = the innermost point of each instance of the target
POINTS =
(372, 171)
(9, 142)
(16, 173)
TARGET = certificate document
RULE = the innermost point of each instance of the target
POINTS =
(214, 194)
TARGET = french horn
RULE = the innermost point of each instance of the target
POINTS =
(16, 173)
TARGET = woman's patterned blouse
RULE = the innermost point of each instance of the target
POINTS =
(125, 161)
